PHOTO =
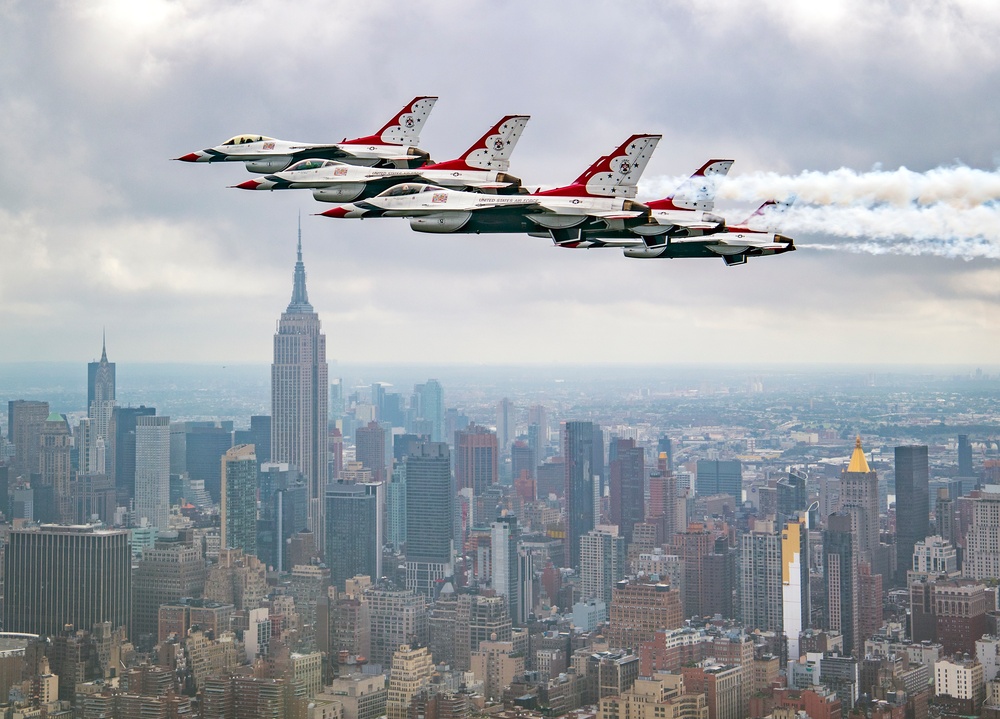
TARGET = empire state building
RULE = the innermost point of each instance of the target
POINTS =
(299, 394)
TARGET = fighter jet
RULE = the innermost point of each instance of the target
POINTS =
(600, 197)
(734, 245)
(685, 213)
(395, 145)
(482, 167)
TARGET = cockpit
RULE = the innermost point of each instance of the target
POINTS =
(311, 165)
(409, 188)
(245, 139)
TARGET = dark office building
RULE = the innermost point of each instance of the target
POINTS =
(792, 496)
(204, 447)
(259, 435)
(476, 451)
(912, 505)
(5, 491)
(716, 476)
(60, 575)
(582, 485)
(626, 475)
(430, 515)
(283, 513)
(403, 444)
(25, 421)
(964, 456)
(840, 581)
(121, 454)
(522, 459)
(597, 463)
(354, 530)
(369, 442)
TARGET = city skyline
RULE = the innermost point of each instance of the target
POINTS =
(145, 246)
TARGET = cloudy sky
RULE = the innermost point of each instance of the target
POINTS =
(98, 228)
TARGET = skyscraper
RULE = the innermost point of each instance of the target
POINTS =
(25, 419)
(761, 577)
(204, 445)
(716, 476)
(121, 454)
(627, 472)
(793, 496)
(663, 504)
(964, 456)
(354, 531)
(239, 499)
(429, 400)
(795, 604)
(602, 563)
(504, 536)
(475, 458)
(505, 425)
(581, 490)
(369, 442)
(100, 405)
(859, 497)
(300, 394)
(54, 466)
(982, 554)
(152, 470)
(429, 516)
(66, 575)
(912, 505)
(840, 579)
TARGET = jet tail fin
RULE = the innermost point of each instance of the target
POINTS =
(766, 211)
(491, 151)
(616, 174)
(404, 127)
(698, 191)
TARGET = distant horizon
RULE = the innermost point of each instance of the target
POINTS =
(984, 366)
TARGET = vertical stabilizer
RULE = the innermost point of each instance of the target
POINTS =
(404, 127)
(616, 174)
(698, 191)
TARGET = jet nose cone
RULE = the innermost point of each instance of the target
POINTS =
(341, 211)
(190, 157)
(248, 185)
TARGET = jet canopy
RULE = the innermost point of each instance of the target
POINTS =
(245, 139)
(409, 188)
(311, 164)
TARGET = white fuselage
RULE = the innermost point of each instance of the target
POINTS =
(343, 173)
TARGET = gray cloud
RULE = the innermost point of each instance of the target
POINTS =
(98, 227)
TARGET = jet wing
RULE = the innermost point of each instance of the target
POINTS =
(616, 214)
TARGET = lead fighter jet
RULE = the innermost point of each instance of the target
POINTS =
(599, 198)
(482, 167)
(395, 145)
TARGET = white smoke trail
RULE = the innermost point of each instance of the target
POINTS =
(957, 186)
(946, 212)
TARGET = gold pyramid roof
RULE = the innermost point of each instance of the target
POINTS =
(858, 462)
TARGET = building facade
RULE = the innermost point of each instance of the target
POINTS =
(59, 575)
(912, 504)
(300, 394)
(239, 499)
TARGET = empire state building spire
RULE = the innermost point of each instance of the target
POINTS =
(300, 298)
